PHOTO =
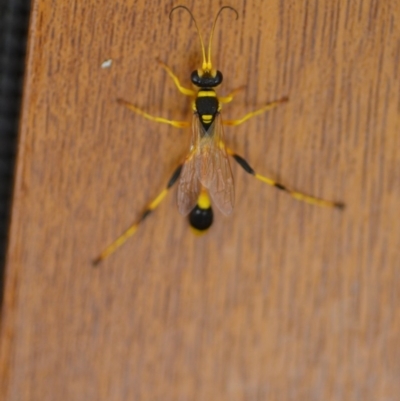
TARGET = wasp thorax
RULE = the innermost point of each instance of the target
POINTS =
(206, 79)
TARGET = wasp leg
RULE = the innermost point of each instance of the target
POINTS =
(228, 98)
(295, 194)
(133, 228)
(267, 107)
(130, 106)
(185, 91)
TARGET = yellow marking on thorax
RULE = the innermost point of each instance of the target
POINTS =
(203, 93)
(206, 117)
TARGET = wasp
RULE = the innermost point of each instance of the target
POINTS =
(205, 175)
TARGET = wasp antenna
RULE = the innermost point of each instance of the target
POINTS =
(209, 64)
(198, 31)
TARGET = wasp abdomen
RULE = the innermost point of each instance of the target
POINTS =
(201, 219)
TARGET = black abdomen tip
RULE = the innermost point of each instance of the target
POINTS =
(201, 219)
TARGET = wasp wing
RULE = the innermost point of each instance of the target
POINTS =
(207, 165)
(189, 186)
(212, 165)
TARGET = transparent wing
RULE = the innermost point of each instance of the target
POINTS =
(189, 186)
(212, 165)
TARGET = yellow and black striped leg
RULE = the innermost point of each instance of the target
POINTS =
(130, 106)
(295, 194)
(182, 89)
(133, 228)
(267, 107)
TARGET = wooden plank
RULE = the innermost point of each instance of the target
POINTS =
(281, 301)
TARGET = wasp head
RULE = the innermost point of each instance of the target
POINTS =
(206, 79)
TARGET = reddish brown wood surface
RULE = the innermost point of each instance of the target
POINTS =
(281, 301)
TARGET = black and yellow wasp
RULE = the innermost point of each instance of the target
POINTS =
(206, 169)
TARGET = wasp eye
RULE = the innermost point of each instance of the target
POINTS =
(195, 78)
(206, 80)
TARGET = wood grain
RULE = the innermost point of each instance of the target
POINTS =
(283, 300)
